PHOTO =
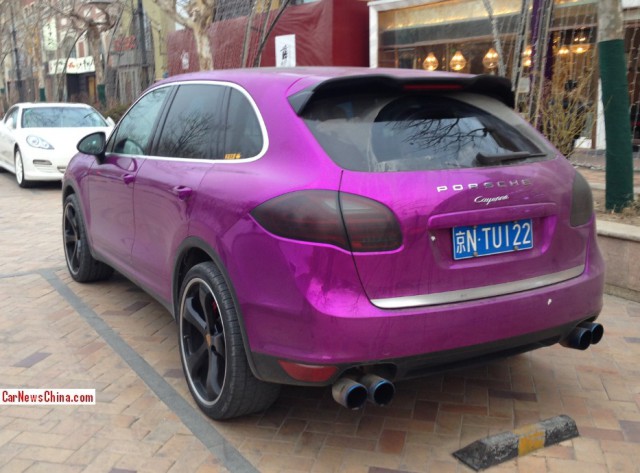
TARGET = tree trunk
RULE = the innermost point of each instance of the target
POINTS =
(615, 98)
(203, 48)
(93, 34)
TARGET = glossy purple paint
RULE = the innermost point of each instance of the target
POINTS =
(311, 302)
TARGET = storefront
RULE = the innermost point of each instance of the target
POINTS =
(496, 37)
(460, 35)
(76, 76)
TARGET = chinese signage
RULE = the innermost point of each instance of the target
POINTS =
(286, 50)
(50, 35)
(80, 65)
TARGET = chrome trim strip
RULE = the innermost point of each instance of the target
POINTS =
(478, 292)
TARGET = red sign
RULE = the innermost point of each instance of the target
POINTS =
(126, 43)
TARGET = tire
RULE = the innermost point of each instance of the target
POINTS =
(19, 164)
(212, 351)
(81, 265)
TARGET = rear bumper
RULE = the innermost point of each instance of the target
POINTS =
(304, 303)
(304, 323)
(269, 369)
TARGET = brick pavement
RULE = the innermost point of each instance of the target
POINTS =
(113, 337)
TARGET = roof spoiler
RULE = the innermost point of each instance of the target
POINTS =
(492, 86)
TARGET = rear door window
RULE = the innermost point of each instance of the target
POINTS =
(420, 132)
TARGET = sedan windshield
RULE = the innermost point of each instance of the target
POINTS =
(61, 117)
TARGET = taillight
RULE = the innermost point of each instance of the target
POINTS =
(347, 221)
(581, 201)
(371, 226)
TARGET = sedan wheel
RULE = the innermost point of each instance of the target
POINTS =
(22, 182)
(212, 351)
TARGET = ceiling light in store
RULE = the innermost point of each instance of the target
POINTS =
(430, 63)
(490, 60)
(458, 62)
(526, 57)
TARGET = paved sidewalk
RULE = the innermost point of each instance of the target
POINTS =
(597, 178)
(113, 337)
(595, 159)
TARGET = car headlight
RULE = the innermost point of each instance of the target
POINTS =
(37, 142)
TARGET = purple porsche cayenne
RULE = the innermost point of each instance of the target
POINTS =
(330, 226)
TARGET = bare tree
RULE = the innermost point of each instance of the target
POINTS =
(90, 18)
(4, 49)
(33, 17)
(196, 15)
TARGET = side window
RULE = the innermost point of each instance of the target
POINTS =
(244, 135)
(11, 119)
(137, 127)
(194, 124)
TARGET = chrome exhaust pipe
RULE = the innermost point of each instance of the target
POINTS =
(597, 331)
(349, 393)
(579, 338)
(380, 390)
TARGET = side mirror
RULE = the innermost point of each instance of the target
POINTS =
(93, 144)
(111, 122)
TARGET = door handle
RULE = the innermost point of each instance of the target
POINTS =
(128, 178)
(183, 192)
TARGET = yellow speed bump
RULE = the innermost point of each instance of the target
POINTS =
(505, 446)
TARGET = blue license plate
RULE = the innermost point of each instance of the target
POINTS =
(492, 238)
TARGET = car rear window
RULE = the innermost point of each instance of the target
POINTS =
(420, 132)
(61, 117)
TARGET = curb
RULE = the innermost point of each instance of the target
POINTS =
(505, 446)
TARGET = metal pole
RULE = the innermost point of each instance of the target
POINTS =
(615, 100)
(143, 46)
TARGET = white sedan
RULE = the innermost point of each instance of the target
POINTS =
(37, 140)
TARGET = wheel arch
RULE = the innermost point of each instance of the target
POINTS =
(194, 251)
(67, 190)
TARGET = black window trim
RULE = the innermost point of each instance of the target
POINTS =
(160, 119)
(162, 116)
(165, 115)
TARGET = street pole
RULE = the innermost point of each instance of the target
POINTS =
(143, 47)
(615, 100)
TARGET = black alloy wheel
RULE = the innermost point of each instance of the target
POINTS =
(203, 341)
(80, 263)
(212, 350)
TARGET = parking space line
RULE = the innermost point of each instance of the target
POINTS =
(195, 421)
(29, 273)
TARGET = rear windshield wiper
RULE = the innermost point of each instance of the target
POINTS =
(490, 159)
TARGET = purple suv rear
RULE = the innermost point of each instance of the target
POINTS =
(350, 227)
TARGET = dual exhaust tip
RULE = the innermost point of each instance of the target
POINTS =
(353, 394)
(583, 336)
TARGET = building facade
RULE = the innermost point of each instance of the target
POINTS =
(546, 47)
